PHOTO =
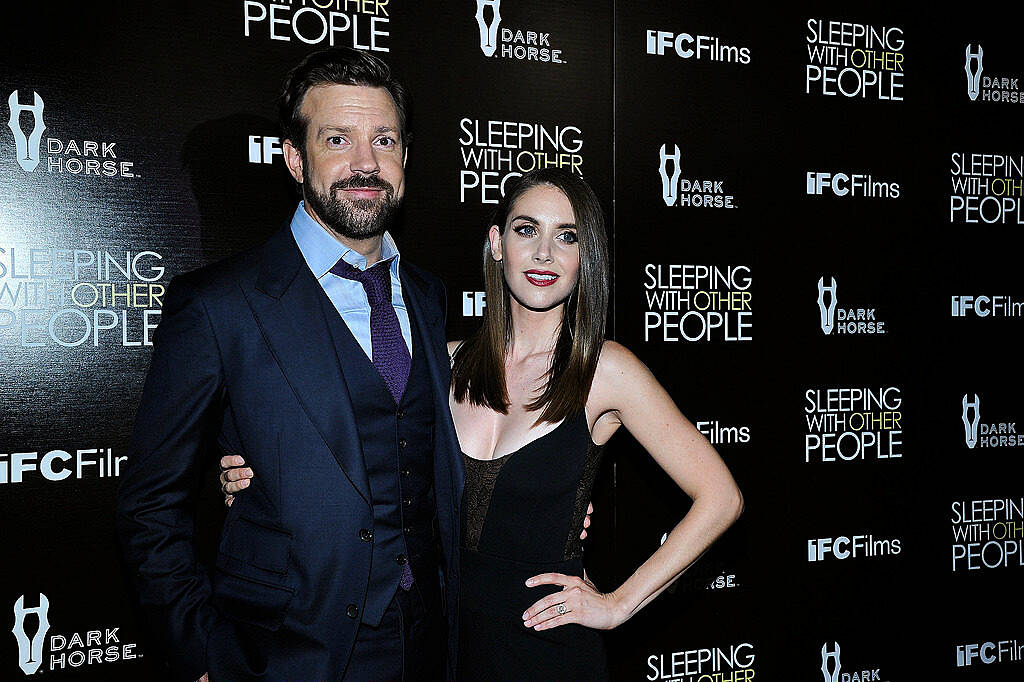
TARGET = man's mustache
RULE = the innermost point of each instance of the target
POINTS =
(364, 182)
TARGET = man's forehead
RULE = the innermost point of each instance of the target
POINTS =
(352, 99)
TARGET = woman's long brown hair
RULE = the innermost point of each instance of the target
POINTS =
(478, 370)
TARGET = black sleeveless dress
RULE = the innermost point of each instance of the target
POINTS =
(522, 515)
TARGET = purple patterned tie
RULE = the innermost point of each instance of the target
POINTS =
(406, 581)
(390, 354)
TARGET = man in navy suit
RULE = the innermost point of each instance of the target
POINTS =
(320, 358)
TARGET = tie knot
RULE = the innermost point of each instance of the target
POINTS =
(376, 280)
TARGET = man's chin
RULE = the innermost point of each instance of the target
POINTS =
(368, 207)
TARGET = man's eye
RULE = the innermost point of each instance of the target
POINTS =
(336, 140)
(386, 141)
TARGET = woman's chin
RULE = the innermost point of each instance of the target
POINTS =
(539, 303)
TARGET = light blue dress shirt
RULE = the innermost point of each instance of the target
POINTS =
(321, 251)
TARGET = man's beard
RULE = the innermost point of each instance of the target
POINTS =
(359, 218)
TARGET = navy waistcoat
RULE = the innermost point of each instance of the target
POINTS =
(398, 446)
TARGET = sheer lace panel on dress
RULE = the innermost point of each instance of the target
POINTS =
(481, 475)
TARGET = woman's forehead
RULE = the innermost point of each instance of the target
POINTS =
(544, 200)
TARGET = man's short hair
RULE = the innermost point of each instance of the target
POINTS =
(337, 66)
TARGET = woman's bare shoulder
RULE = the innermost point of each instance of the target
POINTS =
(620, 377)
(618, 362)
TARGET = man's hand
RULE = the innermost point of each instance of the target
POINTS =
(586, 519)
(234, 476)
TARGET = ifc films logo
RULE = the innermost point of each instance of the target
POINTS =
(686, 46)
(987, 653)
(986, 306)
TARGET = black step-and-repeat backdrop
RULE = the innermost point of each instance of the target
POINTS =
(815, 215)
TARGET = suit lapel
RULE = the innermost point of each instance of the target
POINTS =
(432, 333)
(429, 325)
(288, 309)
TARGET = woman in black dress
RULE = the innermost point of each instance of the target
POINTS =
(536, 393)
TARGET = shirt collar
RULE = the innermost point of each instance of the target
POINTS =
(321, 250)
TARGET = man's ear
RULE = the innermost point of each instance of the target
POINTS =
(293, 159)
(494, 237)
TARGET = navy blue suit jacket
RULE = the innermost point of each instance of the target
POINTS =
(243, 362)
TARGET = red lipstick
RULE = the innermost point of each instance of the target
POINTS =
(541, 278)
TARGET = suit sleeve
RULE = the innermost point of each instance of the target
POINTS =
(442, 293)
(157, 496)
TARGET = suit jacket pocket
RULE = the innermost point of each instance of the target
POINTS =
(251, 581)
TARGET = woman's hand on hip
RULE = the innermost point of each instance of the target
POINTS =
(578, 602)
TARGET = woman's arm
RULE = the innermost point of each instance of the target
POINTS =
(625, 392)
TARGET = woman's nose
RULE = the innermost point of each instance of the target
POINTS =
(543, 252)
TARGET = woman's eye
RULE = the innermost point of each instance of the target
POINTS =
(568, 237)
(525, 230)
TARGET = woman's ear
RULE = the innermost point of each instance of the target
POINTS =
(494, 237)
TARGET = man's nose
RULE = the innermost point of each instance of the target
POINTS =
(363, 159)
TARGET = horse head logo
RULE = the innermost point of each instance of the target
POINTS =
(488, 30)
(973, 75)
(828, 310)
(27, 146)
(669, 182)
(971, 425)
(827, 656)
(30, 649)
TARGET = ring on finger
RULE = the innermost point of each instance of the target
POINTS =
(560, 609)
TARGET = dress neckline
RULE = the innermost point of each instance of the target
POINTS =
(526, 445)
